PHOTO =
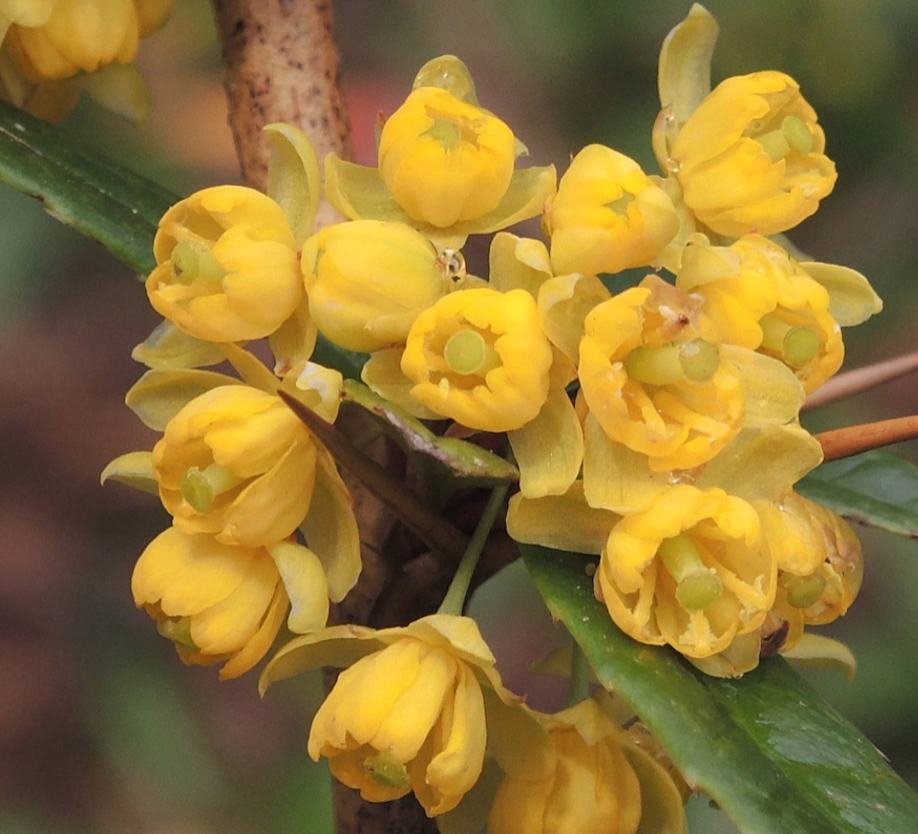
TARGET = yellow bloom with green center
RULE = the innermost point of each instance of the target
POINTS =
(692, 570)
(227, 265)
(409, 712)
(481, 358)
(750, 157)
(220, 602)
(761, 298)
(444, 159)
(591, 788)
(653, 375)
(367, 281)
(236, 462)
(608, 215)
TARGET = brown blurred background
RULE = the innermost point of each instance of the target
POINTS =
(101, 728)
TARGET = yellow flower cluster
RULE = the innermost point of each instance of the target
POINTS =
(51, 50)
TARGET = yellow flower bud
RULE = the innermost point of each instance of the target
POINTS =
(750, 157)
(368, 280)
(655, 382)
(236, 462)
(691, 570)
(761, 298)
(445, 160)
(408, 715)
(591, 787)
(608, 215)
(227, 265)
(78, 36)
(216, 602)
(481, 358)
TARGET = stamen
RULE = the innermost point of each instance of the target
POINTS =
(192, 260)
(386, 771)
(200, 487)
(796, 345)
(697, 586)
(797, 134)
(468, 352)
(803, 591)
(178, 630)
(775, 144)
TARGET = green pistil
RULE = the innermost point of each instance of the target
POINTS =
(803, 591)
(200, 487)
(793, 135)
(468, 352)
(387, 772)
(192, 261)
(695, 361)
(697, 586)
(178, 630)
(620, 206)
(795, 345)
(445, 131)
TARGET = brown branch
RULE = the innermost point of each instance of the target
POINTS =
(281, 65)
(862, 379)
(852, 440)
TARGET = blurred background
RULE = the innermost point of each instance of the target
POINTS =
(101, 728)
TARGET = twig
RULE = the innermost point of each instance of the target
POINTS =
(842, 443)
(862, 379)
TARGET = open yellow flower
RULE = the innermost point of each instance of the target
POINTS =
(608, 215)
(691, 570)
(750, 157)
(481, 358)
(219, 602)
(236, 462)
(227, 265)
(368, 280)
(408, 714)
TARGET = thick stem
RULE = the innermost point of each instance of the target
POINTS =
(281, 65)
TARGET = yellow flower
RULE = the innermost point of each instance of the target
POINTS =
(408, 714)
(445, 160)
(608, 215)
(367, 281)
(227, 265)
(481, 358)
(750, 157)
(655, 380)
(218, 602)
(236, 462)
(691, 570)
(591, 788)
(761, 298)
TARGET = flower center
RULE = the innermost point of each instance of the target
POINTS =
(796, 345)
(192, 260)
(803, 591)
(200, 487)
(468, 352)
(178, 630)
(695, 361)
(793, 135)
(697, 586)
(387, 771)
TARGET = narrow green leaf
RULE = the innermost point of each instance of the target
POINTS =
(776, 758)
(477, 466)
(876, 488)
(81, 187)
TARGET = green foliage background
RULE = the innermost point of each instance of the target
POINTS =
(101, 729)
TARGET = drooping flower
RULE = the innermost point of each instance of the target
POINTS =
(750, 157)
(481, 358)
(691, 570)
(368, 280)
(220, 602)
(408, 714)
(608, 215)
(237, 463)
(227, 265)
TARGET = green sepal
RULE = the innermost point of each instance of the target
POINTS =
(135, 469)
(450, 74)
(775, 757)
(159, 395)
(471, 463)
(167, 349)
(684, 73)
(358, 192)
(294, 178)
(851, 298)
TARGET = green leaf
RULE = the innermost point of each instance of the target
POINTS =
(81, 187)
(775, 757)
(463, 460)
(876, 488)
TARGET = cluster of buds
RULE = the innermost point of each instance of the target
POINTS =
(52, 50)
(657, 427)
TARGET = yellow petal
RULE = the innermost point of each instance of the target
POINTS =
(304, 580)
